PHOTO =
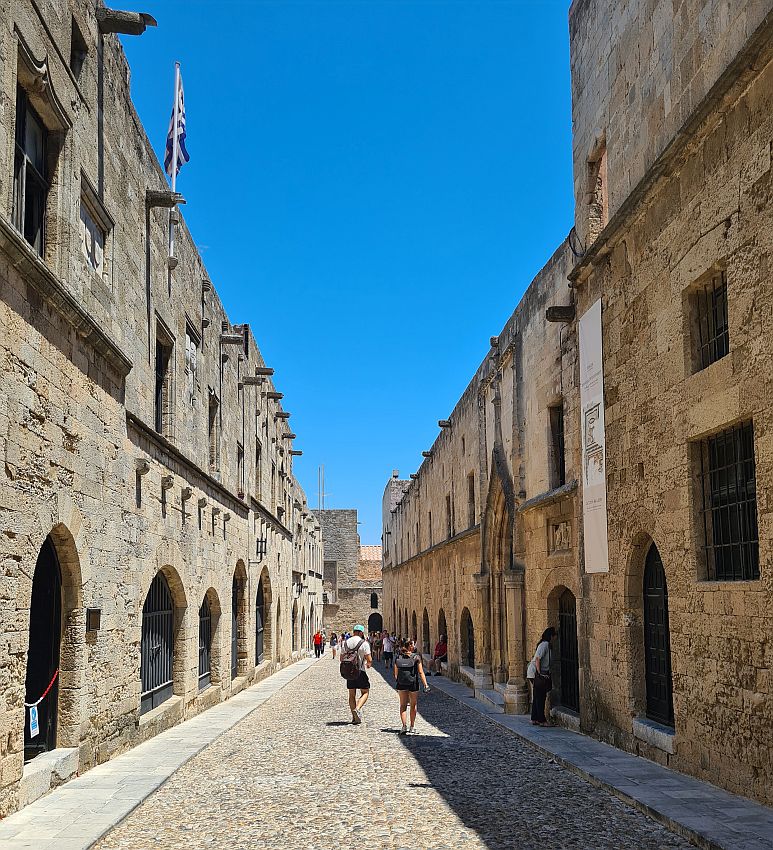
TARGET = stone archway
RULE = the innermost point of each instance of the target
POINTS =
(467, 639)
(442, 628)
(425, 637)
(264, 621)
(239, 621)
(659, 693)
(210, 637)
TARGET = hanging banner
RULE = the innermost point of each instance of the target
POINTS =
(594, 479)
(34, 728)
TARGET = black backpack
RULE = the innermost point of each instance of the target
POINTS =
(407, 672)
(350, 660)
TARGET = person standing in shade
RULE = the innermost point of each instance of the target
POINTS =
(388, 643)
(408, 669)
(355, 660)
(318, 643)
(539, 673)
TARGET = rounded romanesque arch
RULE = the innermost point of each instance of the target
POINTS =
(467, 639)
(210, 640)
(279, 633)
(294, 628)
(304, 637)
(442, 628)
(565, 669)
(239, 621)
(395, 627)
(414, 634)
(264, 621)
(658, 682)
(375, 622)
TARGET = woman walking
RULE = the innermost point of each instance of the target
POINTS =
(408, 669)
(333, 643)
(539, 673)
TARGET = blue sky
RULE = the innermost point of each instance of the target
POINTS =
(372, 186)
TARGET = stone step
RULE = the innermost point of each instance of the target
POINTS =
(492, 699)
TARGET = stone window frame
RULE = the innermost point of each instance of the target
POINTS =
(597, 189)
(79, 49)
(700, 456)
(557, 444)
(471, 499)
(213, 432)
(164, 415)
(101, 218)
(700, 354)
(193, 353)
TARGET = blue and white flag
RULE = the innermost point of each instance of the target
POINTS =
(176, 129)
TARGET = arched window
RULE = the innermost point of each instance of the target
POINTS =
(425, 632)
(205, 645)
(374, 600)
(260, 613)
(657, 641)
(157, 645)
(569, 666)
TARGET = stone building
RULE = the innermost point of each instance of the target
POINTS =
(352, 574)
(610, 471)
(157, 552)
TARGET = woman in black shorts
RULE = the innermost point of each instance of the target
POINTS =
(408, 670)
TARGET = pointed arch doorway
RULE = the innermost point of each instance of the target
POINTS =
(657, 641)
(43, 652)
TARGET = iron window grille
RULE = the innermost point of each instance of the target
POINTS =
(729, 505)
(713, 337)
(557, 445)
(30, 189)
(157, 645)
(205, 645)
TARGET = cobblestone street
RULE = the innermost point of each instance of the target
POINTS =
(296, 773)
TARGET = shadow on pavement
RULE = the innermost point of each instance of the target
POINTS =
(509, 794)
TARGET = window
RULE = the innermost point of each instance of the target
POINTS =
(213, 425)
(240, 466)
(191, 364)
(471, 499)
(449, 518)
(30, 177)
(728, 505)
(273, 485)
(463, 447)
(163, 395)
(205, 645)
(258, 468)
(557, 458)
(429, 526)
(711, 339)
(598, 205)
(374, 600)
(92, 240)
(78, 50)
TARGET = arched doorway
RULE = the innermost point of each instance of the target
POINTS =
(260, 613)
(414, 635)
(157, 645)
(234, 627)
(657, 641)
(569, 664)
(294, 627)
(375, 623)
(441, 624)
(468, 639)
(394, 618)
(425, 632)
(312, 624)
(304, 636)
(279, 633)
(43, 652)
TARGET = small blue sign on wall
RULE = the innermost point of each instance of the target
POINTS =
(34, 728)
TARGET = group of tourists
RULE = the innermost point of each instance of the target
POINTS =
(358, 652)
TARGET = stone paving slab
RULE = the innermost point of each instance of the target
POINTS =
(704, 814)
(75, 815)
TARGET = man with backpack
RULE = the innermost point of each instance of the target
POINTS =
(355, 659)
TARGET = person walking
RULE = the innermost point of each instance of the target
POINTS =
(334, 643)
(538, 672)
(408, 669)
(440, 656)
(318, 643)
(356, 658)
(389, 650)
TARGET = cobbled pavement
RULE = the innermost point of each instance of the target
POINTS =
(296, 774)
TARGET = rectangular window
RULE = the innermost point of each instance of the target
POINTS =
(191, 364)
(273, 486)
(557, 457)
(258, 468)
(471, 499)
(30, 177)
(240, 466)
(213, 426)
(711, 338)
(163, 394)
(728, 505)
(429, 526)
(449, 518)
(78, 50)
(92, 240)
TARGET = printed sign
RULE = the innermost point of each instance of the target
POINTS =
(594, 479)
(34, 728)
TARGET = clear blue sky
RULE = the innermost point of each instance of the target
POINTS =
(372, 186)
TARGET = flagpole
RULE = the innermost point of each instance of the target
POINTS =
(174, 152)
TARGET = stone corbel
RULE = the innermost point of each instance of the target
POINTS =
(126, 23)
(165, 198)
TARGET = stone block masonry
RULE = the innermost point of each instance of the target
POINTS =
(157, 551)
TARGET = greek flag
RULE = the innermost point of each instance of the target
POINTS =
(176, 130)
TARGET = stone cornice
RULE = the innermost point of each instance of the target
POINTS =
(37, 274)
(751, 58)
(274, 521)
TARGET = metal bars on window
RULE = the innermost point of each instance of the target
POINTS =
(711, 316)
(259, 624)
(205, 645)
(157, 645)
(729, 505)
(558, 471)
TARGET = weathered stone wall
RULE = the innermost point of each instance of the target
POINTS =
(83, 461)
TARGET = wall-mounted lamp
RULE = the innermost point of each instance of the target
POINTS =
(261, 546)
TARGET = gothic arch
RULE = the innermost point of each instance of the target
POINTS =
(216, 643)
(270, 631)
(239, 620)
(498, 516)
